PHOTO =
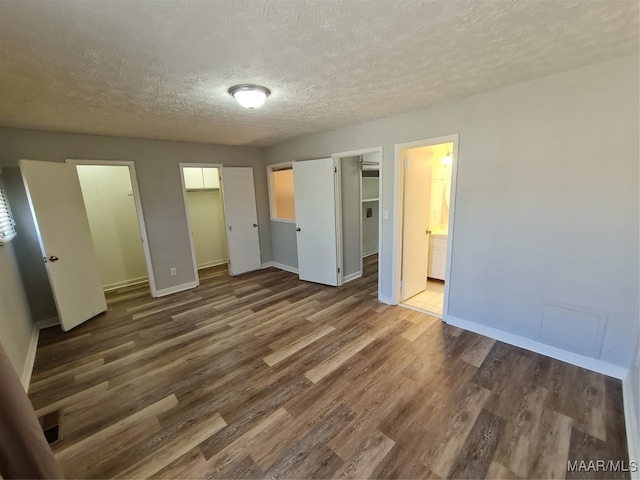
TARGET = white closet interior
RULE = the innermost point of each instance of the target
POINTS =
(370, 178)
(206, 215)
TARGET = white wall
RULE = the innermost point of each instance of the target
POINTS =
(17, 330)
(207, 225)
(108, 199)
(523, 237)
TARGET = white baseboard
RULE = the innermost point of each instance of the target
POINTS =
(592, 364)
(124, 283)
(213, 264)
(47, 322)
(27, 369)
(178, 288)
(281, 266)
(353, 276)
(631, 422)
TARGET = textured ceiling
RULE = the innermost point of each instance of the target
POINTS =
(161, 68)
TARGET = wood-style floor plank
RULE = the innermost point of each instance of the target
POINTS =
(265, 376)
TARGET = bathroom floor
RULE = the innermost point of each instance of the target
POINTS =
(429, 300)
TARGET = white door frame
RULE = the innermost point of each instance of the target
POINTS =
(352, 153)
(181, 167)
(137, 203)
(398, 212)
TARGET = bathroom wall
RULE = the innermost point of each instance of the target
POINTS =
(111, 210)
(440, 176)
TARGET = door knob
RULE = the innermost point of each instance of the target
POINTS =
(53, 258)
(298, 229)
(255, 224)
(428, 232)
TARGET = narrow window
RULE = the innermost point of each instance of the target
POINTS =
(7, 225)
(281, 198)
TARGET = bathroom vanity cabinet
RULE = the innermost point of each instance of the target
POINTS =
(437, 256)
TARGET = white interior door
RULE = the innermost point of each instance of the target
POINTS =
(239, 200)
(417, 205)
(314, 188)
(58, 210)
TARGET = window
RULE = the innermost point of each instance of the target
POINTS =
(7, 230)
(281, 197)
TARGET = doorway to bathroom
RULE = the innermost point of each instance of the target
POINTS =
(426, 174)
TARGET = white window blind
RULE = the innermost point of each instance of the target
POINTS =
(7, 225)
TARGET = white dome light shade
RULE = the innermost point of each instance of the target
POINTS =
(250, 96)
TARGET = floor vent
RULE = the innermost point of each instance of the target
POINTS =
(52, 427)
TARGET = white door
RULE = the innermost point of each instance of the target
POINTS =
(314, 186)
(58, 210)
(417, 205)
(239, 200)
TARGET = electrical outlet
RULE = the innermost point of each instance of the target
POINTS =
(173, 271)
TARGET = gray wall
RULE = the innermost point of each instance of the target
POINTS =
(16, 327)
(546, 202)
(284, 243)
(351, 207)
(158, 175)
(27, 250)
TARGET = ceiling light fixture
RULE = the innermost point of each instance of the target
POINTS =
(447, 159)
(250, 96)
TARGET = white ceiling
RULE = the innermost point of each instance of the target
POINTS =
(161, 68)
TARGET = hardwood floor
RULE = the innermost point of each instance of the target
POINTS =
(266, 376)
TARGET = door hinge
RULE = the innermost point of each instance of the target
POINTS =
(338, 269)
(335, 169)
(405, 164)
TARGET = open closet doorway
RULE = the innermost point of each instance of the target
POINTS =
(222, 218)
(359, 193)
(112, 201)
(205, 215)
(426, 182)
